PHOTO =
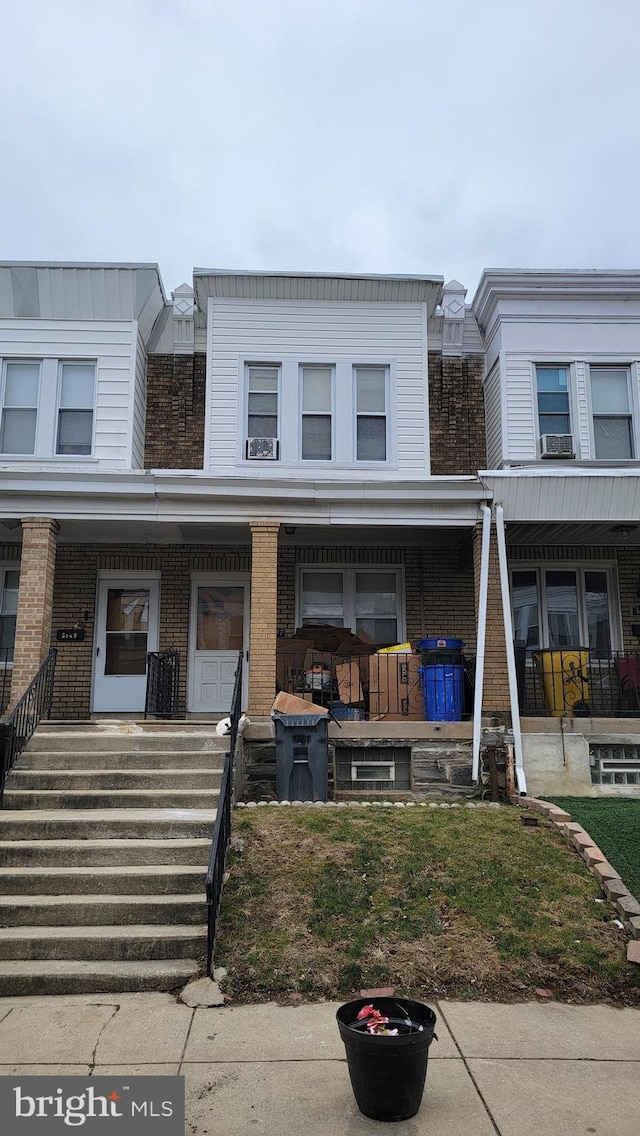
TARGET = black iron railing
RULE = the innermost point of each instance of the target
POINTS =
(163, 684)
(576, 683)
(22, 722)
(365, 687)
(222, 827)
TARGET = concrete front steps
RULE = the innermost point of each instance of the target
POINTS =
(104, 842)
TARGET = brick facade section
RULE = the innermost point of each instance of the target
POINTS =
(456, 414)
(174, 436)
(496, 680)
(264, 616)
(35, 600)
(76, 591)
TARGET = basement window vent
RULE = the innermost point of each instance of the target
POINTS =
(615, 764)
(373, 768)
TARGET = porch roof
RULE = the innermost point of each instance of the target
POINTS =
(193, 495)
(565, 496)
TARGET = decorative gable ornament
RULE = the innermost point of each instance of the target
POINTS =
(184, 310)
(453, 310)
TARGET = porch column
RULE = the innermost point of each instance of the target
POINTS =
(496, 681)
(264, 615)
(35, 600)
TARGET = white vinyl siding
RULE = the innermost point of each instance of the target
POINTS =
(522, 421)
(139, 406)
(493, 416)
(110, 346)
(338, 335)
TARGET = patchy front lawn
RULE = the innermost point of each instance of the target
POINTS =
(465, 903)
(614, 824)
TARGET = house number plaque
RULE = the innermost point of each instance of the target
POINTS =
(72, 635)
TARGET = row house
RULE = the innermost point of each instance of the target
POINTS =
(265, 452)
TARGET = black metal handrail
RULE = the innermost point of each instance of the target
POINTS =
(163, 684)
(19, 726)
(222, 828)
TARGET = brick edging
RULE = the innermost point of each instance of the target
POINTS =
(613, 887)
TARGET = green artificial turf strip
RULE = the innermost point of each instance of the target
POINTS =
(614, 824)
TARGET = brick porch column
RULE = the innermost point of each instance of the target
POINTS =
(264, 599)
(35, 600)
(496, 681)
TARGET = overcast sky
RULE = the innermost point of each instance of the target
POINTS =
(354, 135)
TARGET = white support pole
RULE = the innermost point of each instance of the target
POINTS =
(483, 591)
(510, 652)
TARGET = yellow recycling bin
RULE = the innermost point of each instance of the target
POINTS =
(564, 677)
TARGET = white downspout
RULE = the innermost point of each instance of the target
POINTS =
(510, 652)
(482, 634)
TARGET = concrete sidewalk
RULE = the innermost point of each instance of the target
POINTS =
(515, 1070)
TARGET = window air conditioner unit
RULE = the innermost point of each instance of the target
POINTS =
(262, 449)
(557, 446)
(373, 771)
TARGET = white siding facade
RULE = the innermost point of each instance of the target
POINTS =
(341, 334)
(118, 355)
(493, 416)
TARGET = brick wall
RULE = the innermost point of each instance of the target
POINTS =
(264, 615)
(35, 601)
(496, 679)
(75, 592)
(438, 584)
(175, 412)
(456, 414)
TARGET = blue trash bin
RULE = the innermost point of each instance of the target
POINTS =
(442, 678)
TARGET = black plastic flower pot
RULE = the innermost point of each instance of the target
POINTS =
(388, 1073)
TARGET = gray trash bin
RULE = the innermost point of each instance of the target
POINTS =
(302, 756)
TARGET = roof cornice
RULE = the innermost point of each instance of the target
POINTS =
(573, 284)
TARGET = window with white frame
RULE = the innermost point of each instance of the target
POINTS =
(371, 413)
(75, 408)
(263, 383)
(9, 580)
(611, 407)
(47, 407)
(362, 599)
(552, 388)
(562, 606)
(316, 424)
(20, 394)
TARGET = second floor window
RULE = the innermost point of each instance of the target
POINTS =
(553, 400)
(75, 411)
(316, 414)
(19, 408)
(262, 401)
(612, 430)
(371, 413)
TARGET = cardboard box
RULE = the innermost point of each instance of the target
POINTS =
(289, 704)
(349, 685)
(290, 656)
(394, 688)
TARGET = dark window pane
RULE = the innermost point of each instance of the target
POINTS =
(554, 424)
(126, 653)
(263, 426)
(524, 588)
(7, 637)
(553, 403)
(383, 631)
(74, 431)
(316, 437)
(128, 609)
(562, 609)
(372, 439)
(597, 603)
(612, 437)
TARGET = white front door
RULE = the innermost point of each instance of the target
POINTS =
(126, 628)
(218, 635)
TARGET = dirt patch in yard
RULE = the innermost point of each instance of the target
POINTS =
(449, 903)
